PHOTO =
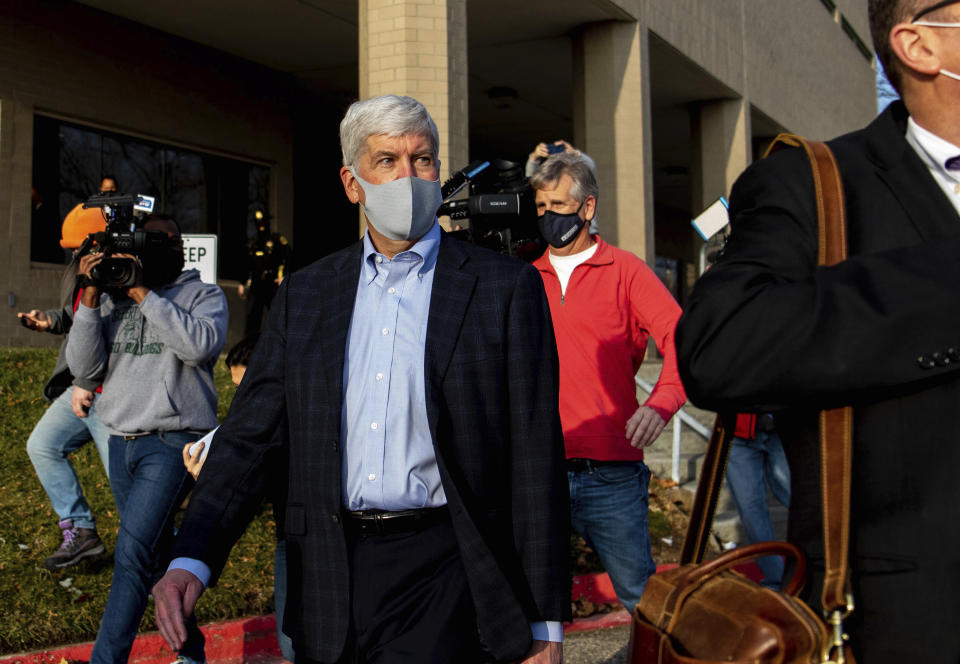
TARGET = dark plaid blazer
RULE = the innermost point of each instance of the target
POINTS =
(491, 398)
(766, 329)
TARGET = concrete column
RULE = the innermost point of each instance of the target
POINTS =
(721, 149)
(419, 48)
(611, 116)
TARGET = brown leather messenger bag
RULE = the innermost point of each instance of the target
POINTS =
(705, 613)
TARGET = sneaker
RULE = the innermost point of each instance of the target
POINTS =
(78, 543)
(183, 659)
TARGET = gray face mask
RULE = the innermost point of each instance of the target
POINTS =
(403, 209)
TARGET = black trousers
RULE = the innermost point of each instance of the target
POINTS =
(410, 603)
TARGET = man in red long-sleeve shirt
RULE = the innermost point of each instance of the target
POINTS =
(606, 303)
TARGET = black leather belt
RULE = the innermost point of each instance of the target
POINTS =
(380, 522)
(765, 423)
(581, 465)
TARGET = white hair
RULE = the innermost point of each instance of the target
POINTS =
(573, 164)
(391, 115)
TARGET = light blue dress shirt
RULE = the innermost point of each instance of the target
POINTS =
(388, 457)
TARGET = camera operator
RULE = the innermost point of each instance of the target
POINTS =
(542, 151)
(155, 342)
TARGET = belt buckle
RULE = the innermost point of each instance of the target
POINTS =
(371, 524)
(578, 465)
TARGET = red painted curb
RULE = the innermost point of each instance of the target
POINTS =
(232, 642)
(598, 621)
(239, 641)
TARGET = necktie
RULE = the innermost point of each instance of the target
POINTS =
(953, 165)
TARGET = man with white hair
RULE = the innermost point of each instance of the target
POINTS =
(426, 517)
(605, 304)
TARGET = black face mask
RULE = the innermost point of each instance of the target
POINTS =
(559, 230)
(161, 266)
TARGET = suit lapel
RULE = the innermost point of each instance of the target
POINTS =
(908, 178)
(452, 291)
(335, 322)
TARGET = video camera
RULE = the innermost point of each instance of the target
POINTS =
(123, 235)
(500, 207)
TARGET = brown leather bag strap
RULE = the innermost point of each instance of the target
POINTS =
(708, 492)
(836, 426)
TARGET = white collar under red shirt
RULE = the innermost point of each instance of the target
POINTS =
(564, 265)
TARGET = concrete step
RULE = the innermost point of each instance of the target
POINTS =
(728, 528)
(660, 461)
(659, 456)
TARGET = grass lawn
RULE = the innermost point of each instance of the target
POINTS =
(39, 608)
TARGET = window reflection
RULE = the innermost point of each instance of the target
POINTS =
(206, 193)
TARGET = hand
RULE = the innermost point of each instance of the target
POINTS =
(87, 263)
(567, 148)
(241, 291)
(91, 294)
(175, 595)
(81, 400)
(544, 652)
(35, 320)
(193, 463)
(539, 152)
(644, 426)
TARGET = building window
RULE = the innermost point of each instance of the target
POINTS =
(205, 193)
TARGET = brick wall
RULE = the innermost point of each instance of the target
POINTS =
(418, 48)
(87, 66)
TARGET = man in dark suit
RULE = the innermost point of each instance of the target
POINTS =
(427, 510)
(766, 329)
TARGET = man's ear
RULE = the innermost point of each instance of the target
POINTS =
(914, 47)
(350, 185)
(589, 208)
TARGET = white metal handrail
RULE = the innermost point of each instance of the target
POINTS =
(682, 417)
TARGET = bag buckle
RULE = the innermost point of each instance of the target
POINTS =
(834, 652)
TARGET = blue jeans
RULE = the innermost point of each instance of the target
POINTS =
(280, 598)
(149, 481)
(753, 466)
(608, 507)
(58, 433)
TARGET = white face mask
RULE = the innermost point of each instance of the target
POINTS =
(403, 209)
(935, 24)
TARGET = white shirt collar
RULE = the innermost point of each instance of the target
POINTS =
(933, 150)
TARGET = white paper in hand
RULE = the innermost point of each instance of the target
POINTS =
(207, 441)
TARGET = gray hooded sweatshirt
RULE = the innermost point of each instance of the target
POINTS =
(156, 358)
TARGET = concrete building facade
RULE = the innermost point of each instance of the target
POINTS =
(671, 98)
